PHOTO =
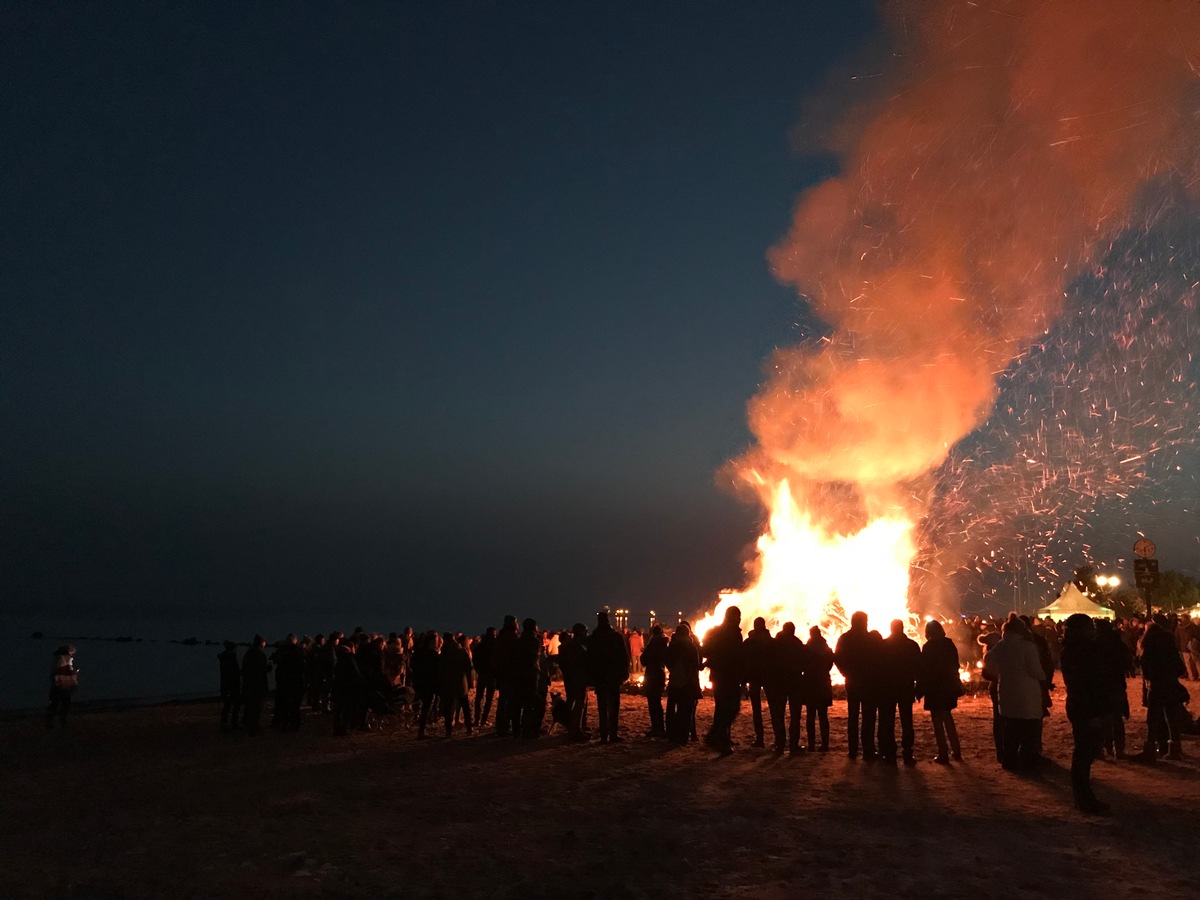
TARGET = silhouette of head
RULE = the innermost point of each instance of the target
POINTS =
(789, 629)
(602, 619)
(760, 624)
(530, 625)
(733, 616)
(815, 631)
(858, 621)
(934, 629)
(897, 627)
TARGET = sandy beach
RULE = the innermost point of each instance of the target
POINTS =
(155, 801)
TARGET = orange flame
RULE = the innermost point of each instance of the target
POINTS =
(810, 576)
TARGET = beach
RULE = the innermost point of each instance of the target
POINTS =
(155, 801)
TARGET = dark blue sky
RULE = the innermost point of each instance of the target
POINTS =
(443, 309)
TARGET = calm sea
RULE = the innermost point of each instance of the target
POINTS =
(110, 671)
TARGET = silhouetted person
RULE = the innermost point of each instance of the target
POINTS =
(856, 659)
(654, 679)
(484, 660)
(683, 690)
(790, 659)
(1115, 662)
(987, 642)
(573, 663)
(506, 687)
(939, 683)
(818, 688)
(231, 686)
(1015, 665)
(348, 691)
(757, 654)
(254, 684)
(424, 671)
(1046, 660)
(899, 668)
(64, 678)
(319, 662)
(608, 660)
(455, 678)
(722, 651)
(289, 683)
(526, 674)
(1162, 694)
(1087, 706)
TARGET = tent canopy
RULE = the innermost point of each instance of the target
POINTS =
(1071, 601)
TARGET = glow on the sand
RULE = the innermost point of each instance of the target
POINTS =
(810, 576)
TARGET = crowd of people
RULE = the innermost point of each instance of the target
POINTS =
(512, 671)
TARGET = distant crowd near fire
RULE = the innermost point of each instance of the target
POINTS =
(368, 681)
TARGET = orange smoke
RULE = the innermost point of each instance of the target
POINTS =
(1010, 147)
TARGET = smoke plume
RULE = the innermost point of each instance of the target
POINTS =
(1008, 150)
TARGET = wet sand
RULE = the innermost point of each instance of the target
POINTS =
(155, 802)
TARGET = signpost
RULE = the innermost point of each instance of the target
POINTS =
(1145, 571)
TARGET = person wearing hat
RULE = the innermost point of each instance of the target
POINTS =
(64, 678)
(231, 687)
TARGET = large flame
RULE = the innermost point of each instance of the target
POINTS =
(811, 576)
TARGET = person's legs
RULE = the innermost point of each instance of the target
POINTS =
(908, 735)
(654, 704)
(887, 729)
(938, 718)
(952, 735)
(823, 715)
(870, 712)
(853, 711)
(756, 713)
(1087, 735)
(777, 705)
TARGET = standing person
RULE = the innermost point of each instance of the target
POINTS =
(348, 688)
(757, 651)
(255, 669)
(231, 687)
(987, 642)
(608, 657)
(1013, 662)
(506, 702)
(855, 657)
(1087, 706)
(423, 669)
(1115, 663)
(526, 674)
(484, 660)
(573, 661)
(1162, 694)
(791, 662)
(722, 649)
(455, 678)
(654, 682)
(637, 643)
(682, 660)
(1046, 659)
(941, 687)
(899, 668)
(289, 683)
(818, 688)
(64, 678)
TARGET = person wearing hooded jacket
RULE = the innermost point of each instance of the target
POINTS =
(940, 685)
(682, 660)
(818, 688)
(1015, 665)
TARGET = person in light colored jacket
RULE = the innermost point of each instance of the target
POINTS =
(1014, 664)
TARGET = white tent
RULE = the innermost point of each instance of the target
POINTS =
(1071, 601)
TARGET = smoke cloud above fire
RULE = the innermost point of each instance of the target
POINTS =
(1008, 143)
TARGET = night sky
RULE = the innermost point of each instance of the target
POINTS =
(425, 313)
(440, 311)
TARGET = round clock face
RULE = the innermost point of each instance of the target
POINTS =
(1144, 548)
